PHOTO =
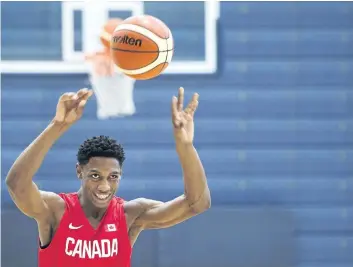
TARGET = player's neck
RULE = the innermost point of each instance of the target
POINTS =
(93, 212)
(89, 209)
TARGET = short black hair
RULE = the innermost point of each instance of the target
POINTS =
(100, 146)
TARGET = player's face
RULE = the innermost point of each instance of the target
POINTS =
(100, 180)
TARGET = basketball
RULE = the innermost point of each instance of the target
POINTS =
(142, 47)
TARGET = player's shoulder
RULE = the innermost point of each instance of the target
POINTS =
(56, 206)
(51, 197)
(133, 209)
(136, 207)
(141, 204)
(141, 201)
(53, 200)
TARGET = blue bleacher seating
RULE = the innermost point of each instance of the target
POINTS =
(274, 130)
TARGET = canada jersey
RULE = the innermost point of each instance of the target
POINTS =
(77, 244)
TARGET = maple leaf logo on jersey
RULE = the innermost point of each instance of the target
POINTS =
(110, 228)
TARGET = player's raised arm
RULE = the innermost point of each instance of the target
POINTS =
(22, 189)
(196, 198)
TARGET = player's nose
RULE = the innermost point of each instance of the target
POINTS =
(104, 188)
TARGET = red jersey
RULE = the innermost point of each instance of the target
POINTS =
(77, 244)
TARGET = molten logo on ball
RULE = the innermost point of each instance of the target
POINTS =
(127, 40)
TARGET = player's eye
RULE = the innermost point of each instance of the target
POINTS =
(114, 177)
(95, 176)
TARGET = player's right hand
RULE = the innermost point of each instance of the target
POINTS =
(70, 106)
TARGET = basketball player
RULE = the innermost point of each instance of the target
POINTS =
(92, 227)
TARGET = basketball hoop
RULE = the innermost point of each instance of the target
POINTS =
(113, 90)
(100, 63)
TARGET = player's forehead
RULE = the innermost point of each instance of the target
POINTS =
(103, 164)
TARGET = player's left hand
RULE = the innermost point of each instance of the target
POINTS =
(183, 119)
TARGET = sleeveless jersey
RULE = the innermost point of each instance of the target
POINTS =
(77, 244)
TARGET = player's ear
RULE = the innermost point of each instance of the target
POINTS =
(79, 171)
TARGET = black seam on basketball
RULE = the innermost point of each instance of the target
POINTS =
(122, 50)
(155, 66)
(166, 57)
(151, 63)
(135, 51)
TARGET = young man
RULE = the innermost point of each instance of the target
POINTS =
(93, 228)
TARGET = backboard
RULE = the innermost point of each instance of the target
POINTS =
(193, 24)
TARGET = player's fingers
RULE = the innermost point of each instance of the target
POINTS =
(81, 105)
(192, 106)
(90, 93)
(87, 95)
(68, 96)
(180, 98)
(195, 97)
(82, 92)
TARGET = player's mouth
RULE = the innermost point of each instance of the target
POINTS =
(102, 198)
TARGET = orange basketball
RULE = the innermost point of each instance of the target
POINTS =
(142, 47)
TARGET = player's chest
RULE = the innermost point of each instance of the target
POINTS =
(82, 240)
(92, 229)
(91, 248)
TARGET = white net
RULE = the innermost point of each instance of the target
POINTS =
(113, 90)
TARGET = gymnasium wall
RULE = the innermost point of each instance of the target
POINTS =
(274, 130)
